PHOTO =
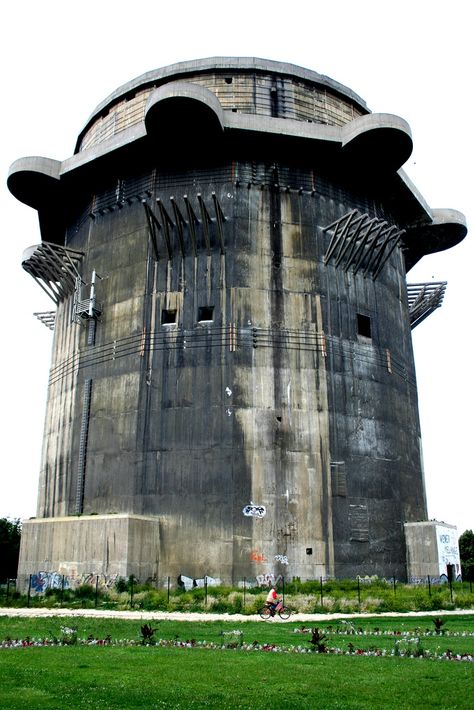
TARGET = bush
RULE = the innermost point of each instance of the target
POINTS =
(121, 585)
(85, 591)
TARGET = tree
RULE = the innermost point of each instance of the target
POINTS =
(10, 534)
(466, 552)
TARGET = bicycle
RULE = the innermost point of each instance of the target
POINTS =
(283, 612)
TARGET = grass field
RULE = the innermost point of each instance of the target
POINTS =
(166, 677)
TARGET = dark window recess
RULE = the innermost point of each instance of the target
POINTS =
(359, 522)
(339, 480)
(309, 550)
(205, 314)
(363, 326)
(228, 80)
(168, 316)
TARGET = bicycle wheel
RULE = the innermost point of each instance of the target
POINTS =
(265, 613)
(284, 613)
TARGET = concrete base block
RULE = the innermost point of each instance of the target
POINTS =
(432, 551)
(86, 548)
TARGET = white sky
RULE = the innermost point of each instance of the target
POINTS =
(60, 59)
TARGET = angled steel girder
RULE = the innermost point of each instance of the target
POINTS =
(359, 242)
(164, 225)
(423, 299)
(54, 268)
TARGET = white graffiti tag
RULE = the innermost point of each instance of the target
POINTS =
(283, 559)
(255, 511)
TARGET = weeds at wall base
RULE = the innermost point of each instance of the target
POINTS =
(344, 596)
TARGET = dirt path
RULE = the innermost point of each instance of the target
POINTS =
(197, 616)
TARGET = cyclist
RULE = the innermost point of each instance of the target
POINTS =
(272, 600)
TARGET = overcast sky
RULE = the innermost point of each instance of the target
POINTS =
(414, 59)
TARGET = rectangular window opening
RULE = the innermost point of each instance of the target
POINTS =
(364, 326)
(168, 316)
(205, 314)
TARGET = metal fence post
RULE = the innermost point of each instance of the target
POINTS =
(131, 590)
(168, 590)
(62, 590)
(96, 589)
(429, 586)
(29, 591)
(321, 589)
(358, 590)
(283, 592)
(205, 590)
(245, 580)
(394, 586)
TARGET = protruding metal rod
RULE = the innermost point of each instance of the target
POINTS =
(206, 221)
(219, 218)
(179, 224)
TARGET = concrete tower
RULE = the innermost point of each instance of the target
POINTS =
(232, 390)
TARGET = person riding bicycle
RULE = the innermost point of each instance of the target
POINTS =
(272, 600)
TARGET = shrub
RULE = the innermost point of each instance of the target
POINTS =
(85, 591)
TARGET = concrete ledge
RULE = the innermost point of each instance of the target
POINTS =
(378, 141)
(447, 228)
(34, 180)
(182, 104)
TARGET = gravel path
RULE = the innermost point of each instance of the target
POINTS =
(197, 616)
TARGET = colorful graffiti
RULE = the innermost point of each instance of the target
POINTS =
(257, 556)
(42, 581)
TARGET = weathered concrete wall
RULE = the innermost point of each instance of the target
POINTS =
(191, 421)
(108, 546)
(432, 549)
(250, 392)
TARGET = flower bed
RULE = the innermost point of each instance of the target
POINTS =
(410, 649)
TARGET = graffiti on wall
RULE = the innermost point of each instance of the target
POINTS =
(448, 550)
(42, 581)
(254, 511)
(265, 580)
(188, 583)
(282, 559)
(256, 556)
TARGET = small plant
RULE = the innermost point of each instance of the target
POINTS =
(69, 635)
(438, 622)
(147, 634)
(418, 650)
(318, 639)
(121, 585)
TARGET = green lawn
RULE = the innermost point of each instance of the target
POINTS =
(84, 677)
(156, 677)
(380, 632)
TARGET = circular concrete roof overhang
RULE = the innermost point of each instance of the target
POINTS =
(378, 141)
(447, 228)
(183, 110)
(35, 180)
